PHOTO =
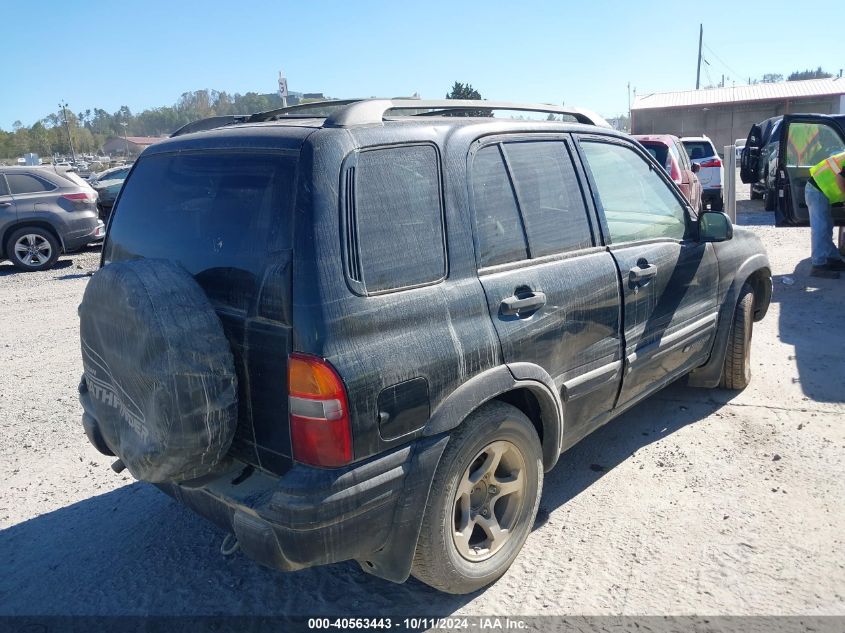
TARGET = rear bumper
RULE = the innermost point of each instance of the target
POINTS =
(77, 240)
(370, 512)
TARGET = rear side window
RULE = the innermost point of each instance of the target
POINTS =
(395, 225)
(549, 197)
(218, 213)
(27, 183)
(498, 227)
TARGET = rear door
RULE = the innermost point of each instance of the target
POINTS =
(805, 141)
(669, 280)
(552, 290)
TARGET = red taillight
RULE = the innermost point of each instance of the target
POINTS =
(80, 197)
(319, 413)
(713, 162)
(674, 172)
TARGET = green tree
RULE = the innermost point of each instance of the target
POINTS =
(800, 75)
(463, 91)
(771, 78)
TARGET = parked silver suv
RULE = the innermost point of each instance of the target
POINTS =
(44, 212)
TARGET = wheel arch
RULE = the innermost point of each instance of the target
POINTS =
(20, 224)
(757, 273)
(523, 385)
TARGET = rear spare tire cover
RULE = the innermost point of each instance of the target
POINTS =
(158, 368)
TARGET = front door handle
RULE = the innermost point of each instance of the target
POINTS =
(527, 303)
(642, 274)
(5, 204)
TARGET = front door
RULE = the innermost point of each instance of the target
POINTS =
(7, 204)
(552, 290)
(669, 281)
(805, 142)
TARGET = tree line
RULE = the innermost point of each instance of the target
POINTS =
(89, 129)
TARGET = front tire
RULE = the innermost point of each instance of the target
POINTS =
(32, 248)
(483, 501)
(736, 373)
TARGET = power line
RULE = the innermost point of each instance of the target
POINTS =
(724, 63)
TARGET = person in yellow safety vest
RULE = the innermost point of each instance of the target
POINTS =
(826, 186)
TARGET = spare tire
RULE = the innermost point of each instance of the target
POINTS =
(159, 377)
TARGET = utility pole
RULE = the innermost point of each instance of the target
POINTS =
(629, 107)
(700, 40)
(67, 128)
(125, 140)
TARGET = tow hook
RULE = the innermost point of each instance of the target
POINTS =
(230, 545)
(118, 466)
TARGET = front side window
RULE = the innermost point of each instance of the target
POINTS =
(4, 190)
(395, 233)
(26, 183)
(637, 203)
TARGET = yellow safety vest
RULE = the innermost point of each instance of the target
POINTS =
(827, 179)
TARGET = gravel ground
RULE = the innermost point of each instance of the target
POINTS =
(694, 502)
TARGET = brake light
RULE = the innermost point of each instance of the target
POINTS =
(80, 197)
(674, 172)
(319, 413)
(713, 162)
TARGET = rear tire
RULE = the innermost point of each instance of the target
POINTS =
(483, 501)
(32, 248)
(736, 373)
(754, 195)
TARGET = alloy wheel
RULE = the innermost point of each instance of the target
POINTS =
(488, 501)
(33, 249)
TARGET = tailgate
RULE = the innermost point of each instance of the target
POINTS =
(226, 217)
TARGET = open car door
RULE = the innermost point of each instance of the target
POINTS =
(805, 140)
(750, 157)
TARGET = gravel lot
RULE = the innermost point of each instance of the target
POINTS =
(694, 502)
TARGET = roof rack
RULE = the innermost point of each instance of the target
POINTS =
(373, 111)
(354, 112)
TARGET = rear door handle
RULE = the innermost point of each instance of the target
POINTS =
(642, 274)
(532, 302)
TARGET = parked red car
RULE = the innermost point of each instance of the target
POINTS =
(669, 152)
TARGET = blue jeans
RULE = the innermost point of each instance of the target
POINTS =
(822, 247)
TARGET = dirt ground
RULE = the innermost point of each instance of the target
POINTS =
(694, 502)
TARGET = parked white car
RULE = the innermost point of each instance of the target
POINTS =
(702, 152)
(738, 145)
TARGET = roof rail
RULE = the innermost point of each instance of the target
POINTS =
(354, 112)
(200, 125)
(373, 111)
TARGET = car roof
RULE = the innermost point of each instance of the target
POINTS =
(666, 139)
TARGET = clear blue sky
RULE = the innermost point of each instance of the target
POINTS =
(146, 53)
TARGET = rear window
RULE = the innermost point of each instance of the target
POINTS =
(699, 149)
(213, 212)
(659, 152)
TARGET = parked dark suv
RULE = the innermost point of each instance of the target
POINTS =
(43, 212)
(367, 334)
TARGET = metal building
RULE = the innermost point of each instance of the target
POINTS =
(726, 114)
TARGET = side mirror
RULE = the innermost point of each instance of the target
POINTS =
(696, 168)
(714, 226)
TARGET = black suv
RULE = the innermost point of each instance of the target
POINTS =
(364, 330)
